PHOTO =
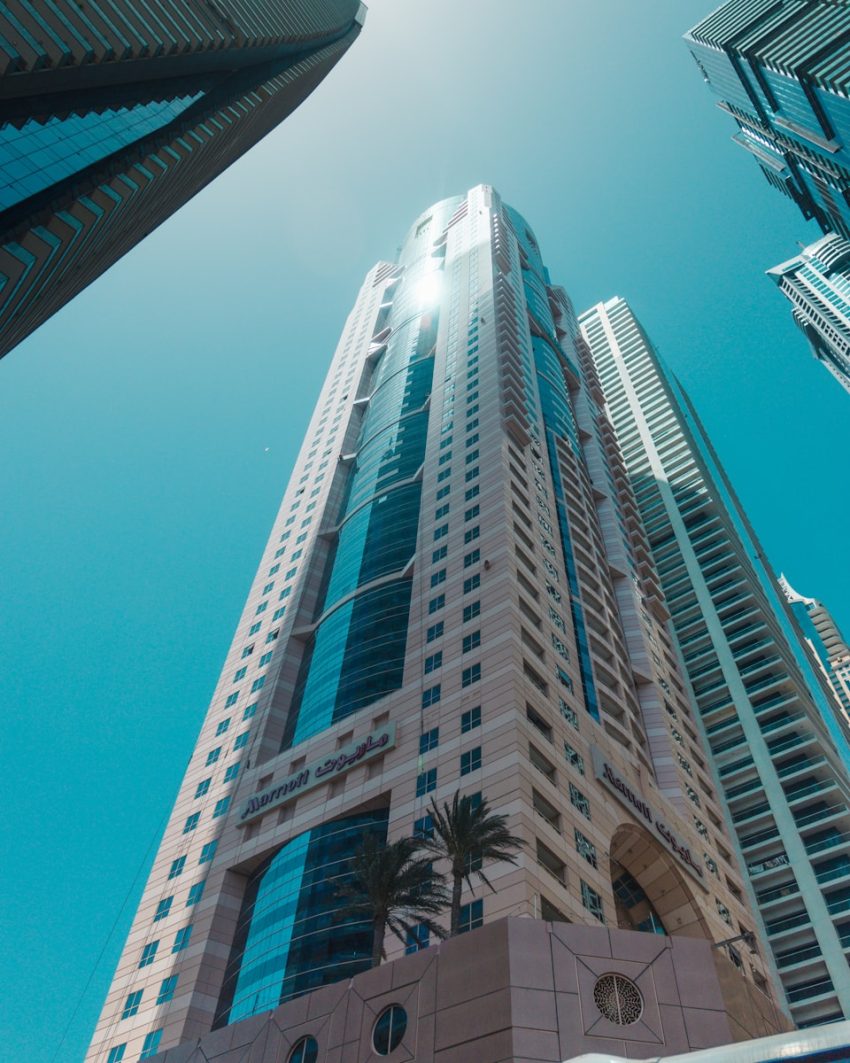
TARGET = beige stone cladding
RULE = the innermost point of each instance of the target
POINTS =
(514, 991)
(543, 677)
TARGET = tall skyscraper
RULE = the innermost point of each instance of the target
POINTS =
(825, 641)
(780, 68)
(779, 752)
(457, 595)
(112, 116)
(817, 283)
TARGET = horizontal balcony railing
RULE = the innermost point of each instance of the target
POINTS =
(778, 893)
(812, 989)
(759, 838)
(792, 956)
(818, 814)
(750, 813)
(823, 844)
(774, 725)
(787, 922)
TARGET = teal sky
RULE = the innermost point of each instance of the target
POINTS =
(148, 430)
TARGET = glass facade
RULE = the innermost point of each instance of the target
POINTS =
(356, 654)
(779, 69)
(41, 152)
(293, 934)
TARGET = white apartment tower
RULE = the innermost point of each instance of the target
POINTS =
(778, 748)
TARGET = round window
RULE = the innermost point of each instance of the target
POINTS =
(306, 1051)
(618, 998)
(389, 1029)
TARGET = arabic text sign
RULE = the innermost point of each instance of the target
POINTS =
(341, 761)
(636, 804)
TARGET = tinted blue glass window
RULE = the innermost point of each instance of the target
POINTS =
(389, 1029)
(293, 933)
(40, 153)
(306, 1051)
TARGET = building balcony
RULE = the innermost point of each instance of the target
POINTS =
(775, 897)
(795, 957)
(786, 924)
(777, 725)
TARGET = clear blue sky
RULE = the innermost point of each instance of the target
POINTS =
(137, 487)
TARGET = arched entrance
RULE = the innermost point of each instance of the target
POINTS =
(651, 894)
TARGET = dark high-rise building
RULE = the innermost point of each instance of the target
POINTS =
(113, 115)
(781, 69)
(457, 596)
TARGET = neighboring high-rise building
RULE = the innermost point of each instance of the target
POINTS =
(112, 116)
(825, 641)
(778, 749)
(457, 594)
(817, 282)
(780, 68)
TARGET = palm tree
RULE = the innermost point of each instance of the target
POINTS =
(395, 886)
(466, 833)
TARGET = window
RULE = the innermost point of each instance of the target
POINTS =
(471, 611)
(441, 532)
(426, 781)
(166, 989)
(470, 761)
(443, 459)
(269, 587)
(131, 1004)
(221, 807)
(249, 711)
(231, 699)
(430, 696)
(568, 713)
(258, 684)
(471, 916)
(272, 635)
(470, 719)
(574, 758)
(195, 894)
(442, 510)
(472, 584)
(472, 492)
(163, 909)
(116, 1054)
(439, 554)
(564, 679)
(241, 740)
(473, 472)
(417, 938)
(151, 1044)
(423, 827)
(579, 801)
(429, 740)
(278, 613)
(240, 673)
(202, 787)
(177, 867)
(181, 938)
(436, 603)
(306, 1051)
(389, 1029)
(471, 642)
(434, 661)
(438, 577)
(231, 773)
(435, 631)
(222, 727)
(191, 822)
(443, 491)
(472, 558)
(592, 901)
(470, 675)
(264, 660)
(559, 647)
(255, 628)
(208, 852)
(472, 533)
(213, 755)
(472, 513)
(261, 608)
(585, 848)
(148, 954)
(444, 475)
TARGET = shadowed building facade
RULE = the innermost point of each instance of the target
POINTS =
(778, 747)
(781, 70)
(457, 594)
(113, 115)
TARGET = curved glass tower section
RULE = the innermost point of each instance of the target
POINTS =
(292, 934)
(356, 652)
